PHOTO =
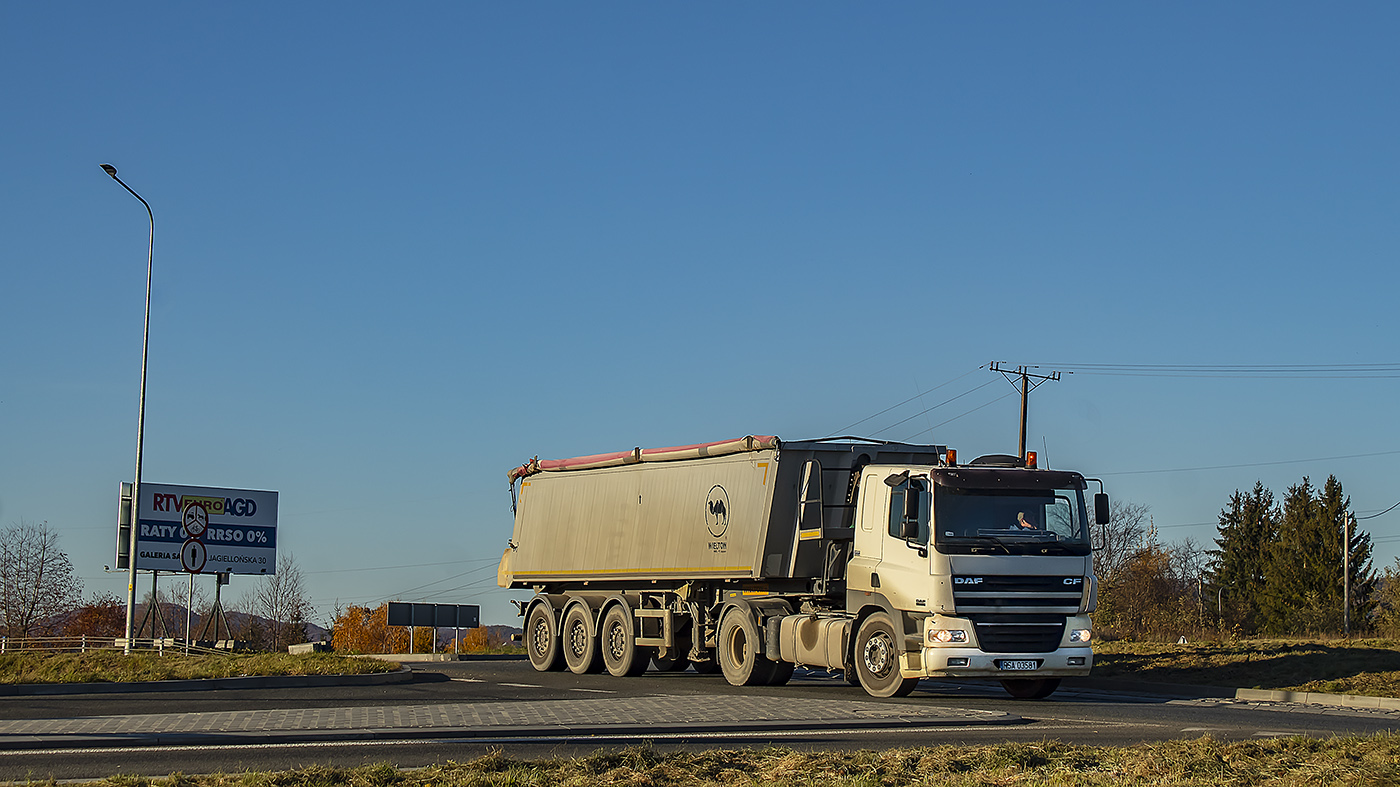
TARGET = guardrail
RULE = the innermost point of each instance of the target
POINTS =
(85, 643)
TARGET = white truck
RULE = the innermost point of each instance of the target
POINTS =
(887, 562)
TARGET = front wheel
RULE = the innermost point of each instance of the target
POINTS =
(877, 659)
(1030, 688)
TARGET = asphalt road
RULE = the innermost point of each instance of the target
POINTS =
(1077, 716)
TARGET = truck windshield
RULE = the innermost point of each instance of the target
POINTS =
(1010, 521)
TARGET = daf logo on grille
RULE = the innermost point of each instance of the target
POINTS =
(967, 580)
(1074, 580)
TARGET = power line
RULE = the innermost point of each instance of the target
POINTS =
(1252, 464)
(1266, 371)
(436, 583)
(956, 417)
(927, 410)
(847, 429)
(408, 565)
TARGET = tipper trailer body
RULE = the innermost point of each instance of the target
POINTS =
(885, 561)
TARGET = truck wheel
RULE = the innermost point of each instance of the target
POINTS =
(621, 654)
(877, 659)
(578, 643)
(542, 640)
(1030, 688)
(782, 673)
(739, 658)
(706, 666)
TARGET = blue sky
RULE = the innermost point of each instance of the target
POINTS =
(399, 251)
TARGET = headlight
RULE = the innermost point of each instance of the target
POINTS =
(948, 635)
(1080, 635)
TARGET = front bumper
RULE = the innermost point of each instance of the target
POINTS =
(975, 663)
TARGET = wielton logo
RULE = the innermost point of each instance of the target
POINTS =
(717, 511)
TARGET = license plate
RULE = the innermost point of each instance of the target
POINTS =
(1007, 664)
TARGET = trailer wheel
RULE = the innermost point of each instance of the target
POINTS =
(578, 643)
(675, 658)
(542, 640)
(739, 658)
(623, 657)
(1030, 688)
(877, 659)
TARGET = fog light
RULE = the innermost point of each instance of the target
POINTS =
(948, 635)
(1080, 635)
(1075, 661)
(959, 662)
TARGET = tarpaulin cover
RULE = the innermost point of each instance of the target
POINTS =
(671, 454)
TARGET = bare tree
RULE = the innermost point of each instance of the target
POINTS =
(282, 600)
(1129, 530)
(36, 578)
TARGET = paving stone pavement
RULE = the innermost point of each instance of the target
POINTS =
(490, 719)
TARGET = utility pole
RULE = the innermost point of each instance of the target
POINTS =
(1025, 387)
(1348, 522)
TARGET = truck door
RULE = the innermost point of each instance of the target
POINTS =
(904, 564)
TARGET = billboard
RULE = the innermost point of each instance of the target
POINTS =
(198, 529)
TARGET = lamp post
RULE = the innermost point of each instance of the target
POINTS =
(140, 423)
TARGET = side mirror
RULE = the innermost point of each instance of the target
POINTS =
(909, 523)
(1101, 512)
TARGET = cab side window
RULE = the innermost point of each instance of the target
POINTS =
(909, 503)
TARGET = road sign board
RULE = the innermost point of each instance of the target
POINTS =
(465, 616)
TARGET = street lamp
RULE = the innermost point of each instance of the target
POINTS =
(140, 423)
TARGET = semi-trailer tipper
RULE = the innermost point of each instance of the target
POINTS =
(888, 562)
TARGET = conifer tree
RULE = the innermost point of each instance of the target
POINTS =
(1248, 526)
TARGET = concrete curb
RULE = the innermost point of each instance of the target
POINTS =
(594, 733)
(1317, 698)
(402, 675)
(1219, 692)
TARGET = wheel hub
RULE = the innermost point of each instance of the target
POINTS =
(878, 656)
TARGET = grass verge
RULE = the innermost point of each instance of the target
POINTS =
(1367, 667)
(112, 666)
(1203, 761)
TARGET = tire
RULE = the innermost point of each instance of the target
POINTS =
(621, 654)
(675, 658)
(739, 658)
(782, 673)
(578, 641)
(877, 658)
(707, 666)
(542, 639)
(1030, 688)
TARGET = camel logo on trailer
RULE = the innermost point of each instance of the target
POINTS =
(717, 511)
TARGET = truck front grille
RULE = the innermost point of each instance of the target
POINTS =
(1018, 634)
(990, 593)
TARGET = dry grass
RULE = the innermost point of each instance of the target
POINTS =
(113, 666)
(1203, 761)
(1369, 667)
